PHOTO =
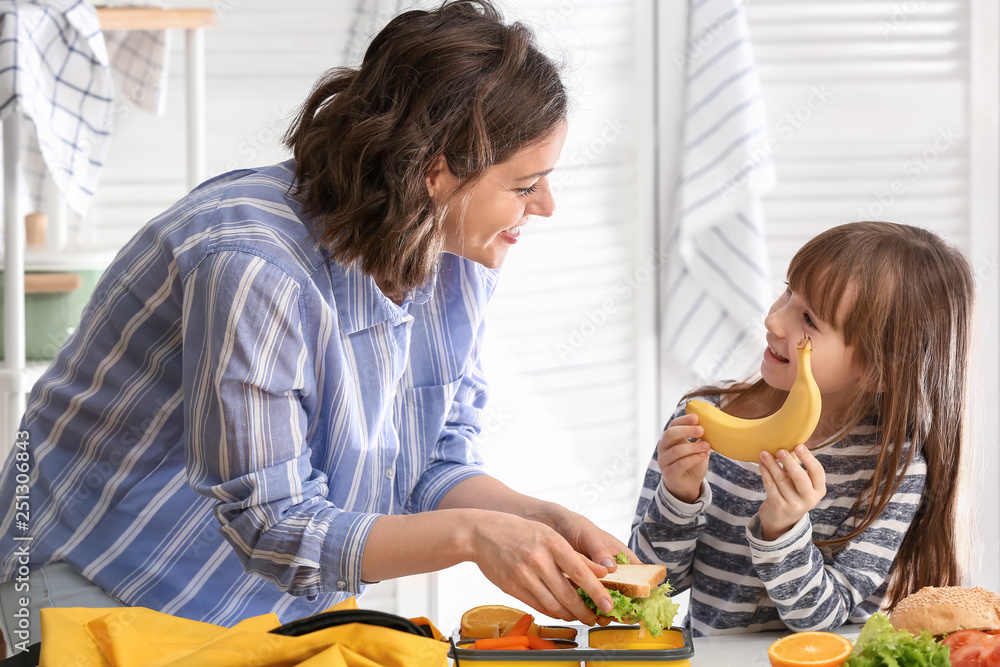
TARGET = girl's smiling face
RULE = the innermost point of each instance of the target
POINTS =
(500, 203)
(833, 364)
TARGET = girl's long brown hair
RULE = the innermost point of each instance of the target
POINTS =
(909, 321)
(453, 82)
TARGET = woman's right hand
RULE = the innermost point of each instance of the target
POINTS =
(527, 559)
(683, 463)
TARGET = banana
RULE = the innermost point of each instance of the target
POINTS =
(792, 424)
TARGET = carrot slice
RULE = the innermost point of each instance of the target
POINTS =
(520, 627)
(537, 643)
(502, 643)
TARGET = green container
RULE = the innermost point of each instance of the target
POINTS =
(50, 318)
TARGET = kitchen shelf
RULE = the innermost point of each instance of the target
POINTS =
(16, 375)
(154, 18)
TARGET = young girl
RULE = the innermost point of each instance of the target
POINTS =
(864, 512)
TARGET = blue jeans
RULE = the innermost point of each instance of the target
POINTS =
(52, 585)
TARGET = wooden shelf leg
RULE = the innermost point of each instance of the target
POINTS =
(13, 283)
(195, 79)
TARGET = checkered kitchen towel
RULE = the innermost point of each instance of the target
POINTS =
(139, 63)
(719, 284)
(54, 72)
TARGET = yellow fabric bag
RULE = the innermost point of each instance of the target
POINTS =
(139, 637)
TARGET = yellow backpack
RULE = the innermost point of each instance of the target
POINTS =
(342, 636)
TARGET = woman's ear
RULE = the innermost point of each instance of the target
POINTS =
(438, 177)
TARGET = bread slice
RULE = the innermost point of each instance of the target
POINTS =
(635, 580)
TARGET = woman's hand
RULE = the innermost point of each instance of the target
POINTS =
(584, 536)
(793, 488)
(527, 559)
(683, 463)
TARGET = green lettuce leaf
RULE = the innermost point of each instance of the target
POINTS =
(655, 612)
(881, 645)
(620, 557)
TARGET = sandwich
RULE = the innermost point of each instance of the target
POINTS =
(638, 597)
(946, 610)
(966, 618)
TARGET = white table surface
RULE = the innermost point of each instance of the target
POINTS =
(745, 650)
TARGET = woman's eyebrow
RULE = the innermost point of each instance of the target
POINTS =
(535, 175)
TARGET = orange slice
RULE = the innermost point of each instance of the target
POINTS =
(810, 649)
(488, 621)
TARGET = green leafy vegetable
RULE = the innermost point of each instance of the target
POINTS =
(655, 612)
(881, 645)
(620, 557)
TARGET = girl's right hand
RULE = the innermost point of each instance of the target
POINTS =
(683, 463)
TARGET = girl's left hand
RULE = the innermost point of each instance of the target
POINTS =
(792, 490)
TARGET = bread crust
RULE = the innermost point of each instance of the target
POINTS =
(635, 580)
(947, 609)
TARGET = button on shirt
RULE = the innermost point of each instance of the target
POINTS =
(236, 410)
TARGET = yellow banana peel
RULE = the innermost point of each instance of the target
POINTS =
(792, 424)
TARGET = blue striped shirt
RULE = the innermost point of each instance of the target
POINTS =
(236, 410)
(740, 582)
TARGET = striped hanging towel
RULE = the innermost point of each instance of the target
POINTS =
(718, 282)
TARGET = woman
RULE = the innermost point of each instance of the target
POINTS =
(271, 397)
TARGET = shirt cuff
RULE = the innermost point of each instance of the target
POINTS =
(775, 550)
(669, 504)
(342, 559)
(437, 481)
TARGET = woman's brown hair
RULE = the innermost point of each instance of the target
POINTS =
(453, 82)
(910, 296)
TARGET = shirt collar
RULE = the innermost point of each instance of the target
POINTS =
(362, 305)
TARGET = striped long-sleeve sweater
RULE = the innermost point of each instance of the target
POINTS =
(740, 582)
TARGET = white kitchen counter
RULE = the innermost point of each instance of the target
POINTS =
(746, 650)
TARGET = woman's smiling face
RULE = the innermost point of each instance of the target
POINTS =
(489, 222)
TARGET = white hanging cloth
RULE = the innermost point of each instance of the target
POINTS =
(719, 284)
(54, 72)
(140, 62)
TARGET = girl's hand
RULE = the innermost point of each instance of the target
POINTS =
(527, 559)
(683, 463)
(792, 490)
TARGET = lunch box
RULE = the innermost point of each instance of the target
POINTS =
(610, 646)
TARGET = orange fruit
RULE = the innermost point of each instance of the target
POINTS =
(488, 620)
(810, 649)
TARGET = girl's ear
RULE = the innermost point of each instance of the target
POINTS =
(438, 177)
